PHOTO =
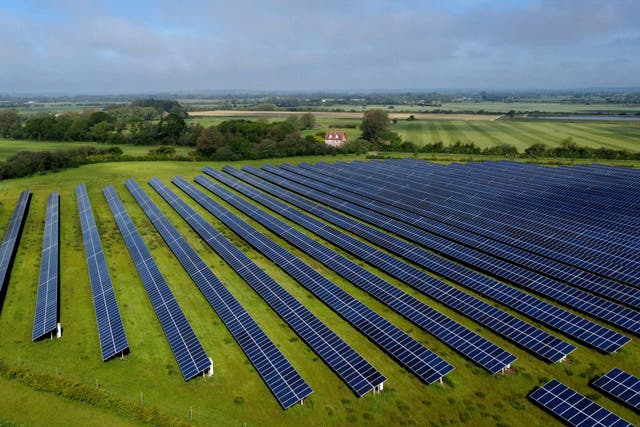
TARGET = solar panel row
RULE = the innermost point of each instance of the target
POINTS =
(328, 345)
(572, 325)
(11, 238)
(113, 340)
(603, 309)
(46, 313)
(621, 385)
(573, 407)
(184, 344)
(374, 183)
(413, 355)
(283, 380)
(475, 347)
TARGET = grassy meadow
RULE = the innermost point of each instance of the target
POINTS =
(235, 395)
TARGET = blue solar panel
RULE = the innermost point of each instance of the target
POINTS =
(11, 238)
(344, 360)
(282, 379)
(184, 344)
(371, 212)
(478, 349)
(539, 342)
(621, 385)
(573, 407)
(413, 355)
(46, 314)
(113, 340)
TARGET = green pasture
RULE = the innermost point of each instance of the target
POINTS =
(10, 147)
(235, 395)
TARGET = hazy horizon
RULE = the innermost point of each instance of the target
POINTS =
(67, 47)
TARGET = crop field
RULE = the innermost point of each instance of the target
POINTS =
(149, 378)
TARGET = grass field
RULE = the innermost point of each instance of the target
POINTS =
(10, 147)
(235, 395)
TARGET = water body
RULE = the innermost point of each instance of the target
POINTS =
(599, 118)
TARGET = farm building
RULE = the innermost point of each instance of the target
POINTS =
(335, 138)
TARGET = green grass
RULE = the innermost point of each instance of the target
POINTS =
(10, 147)
(235, 395)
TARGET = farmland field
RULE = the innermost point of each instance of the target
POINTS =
(235, 395)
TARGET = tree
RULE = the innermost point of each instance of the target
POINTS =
(375, 123)
(307, 121)
(10, 123)
(209, 141)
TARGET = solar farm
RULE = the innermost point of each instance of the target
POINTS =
(377, 292)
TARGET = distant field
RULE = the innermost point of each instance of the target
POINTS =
(236, 395)
(9, 147)
(522, 133)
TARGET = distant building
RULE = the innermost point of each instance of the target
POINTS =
(335, 138)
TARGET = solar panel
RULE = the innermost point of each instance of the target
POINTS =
(409, 352)
(113, 340)
(574, 408)
(544, 345)
(621, 385)
(344, 360)
(467, 342)
(184, 344)
(557, 317)
(11, 238)
(283, 380)
(46, 314)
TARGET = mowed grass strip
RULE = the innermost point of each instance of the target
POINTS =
(235, 395)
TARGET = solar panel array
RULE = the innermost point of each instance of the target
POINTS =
(410, 353)
(373, 183)
(46, 314)
(524, 214)
(283, 380)
(606, 310)
(605, 339)
(547, 313)
(621, 385)
(344, 360)
(184, 344)
(10, 240)
(467, 342)
(113, 340)
(574, 408)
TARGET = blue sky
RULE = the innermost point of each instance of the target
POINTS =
(72, 46)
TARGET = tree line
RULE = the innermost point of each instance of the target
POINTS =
(567, 149)
(27, 163)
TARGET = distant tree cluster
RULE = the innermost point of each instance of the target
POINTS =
(144, 122)
(27, 163)
(245, 139)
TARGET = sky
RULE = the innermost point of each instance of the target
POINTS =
(139, 46)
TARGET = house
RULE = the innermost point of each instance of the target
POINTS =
(335, 138)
